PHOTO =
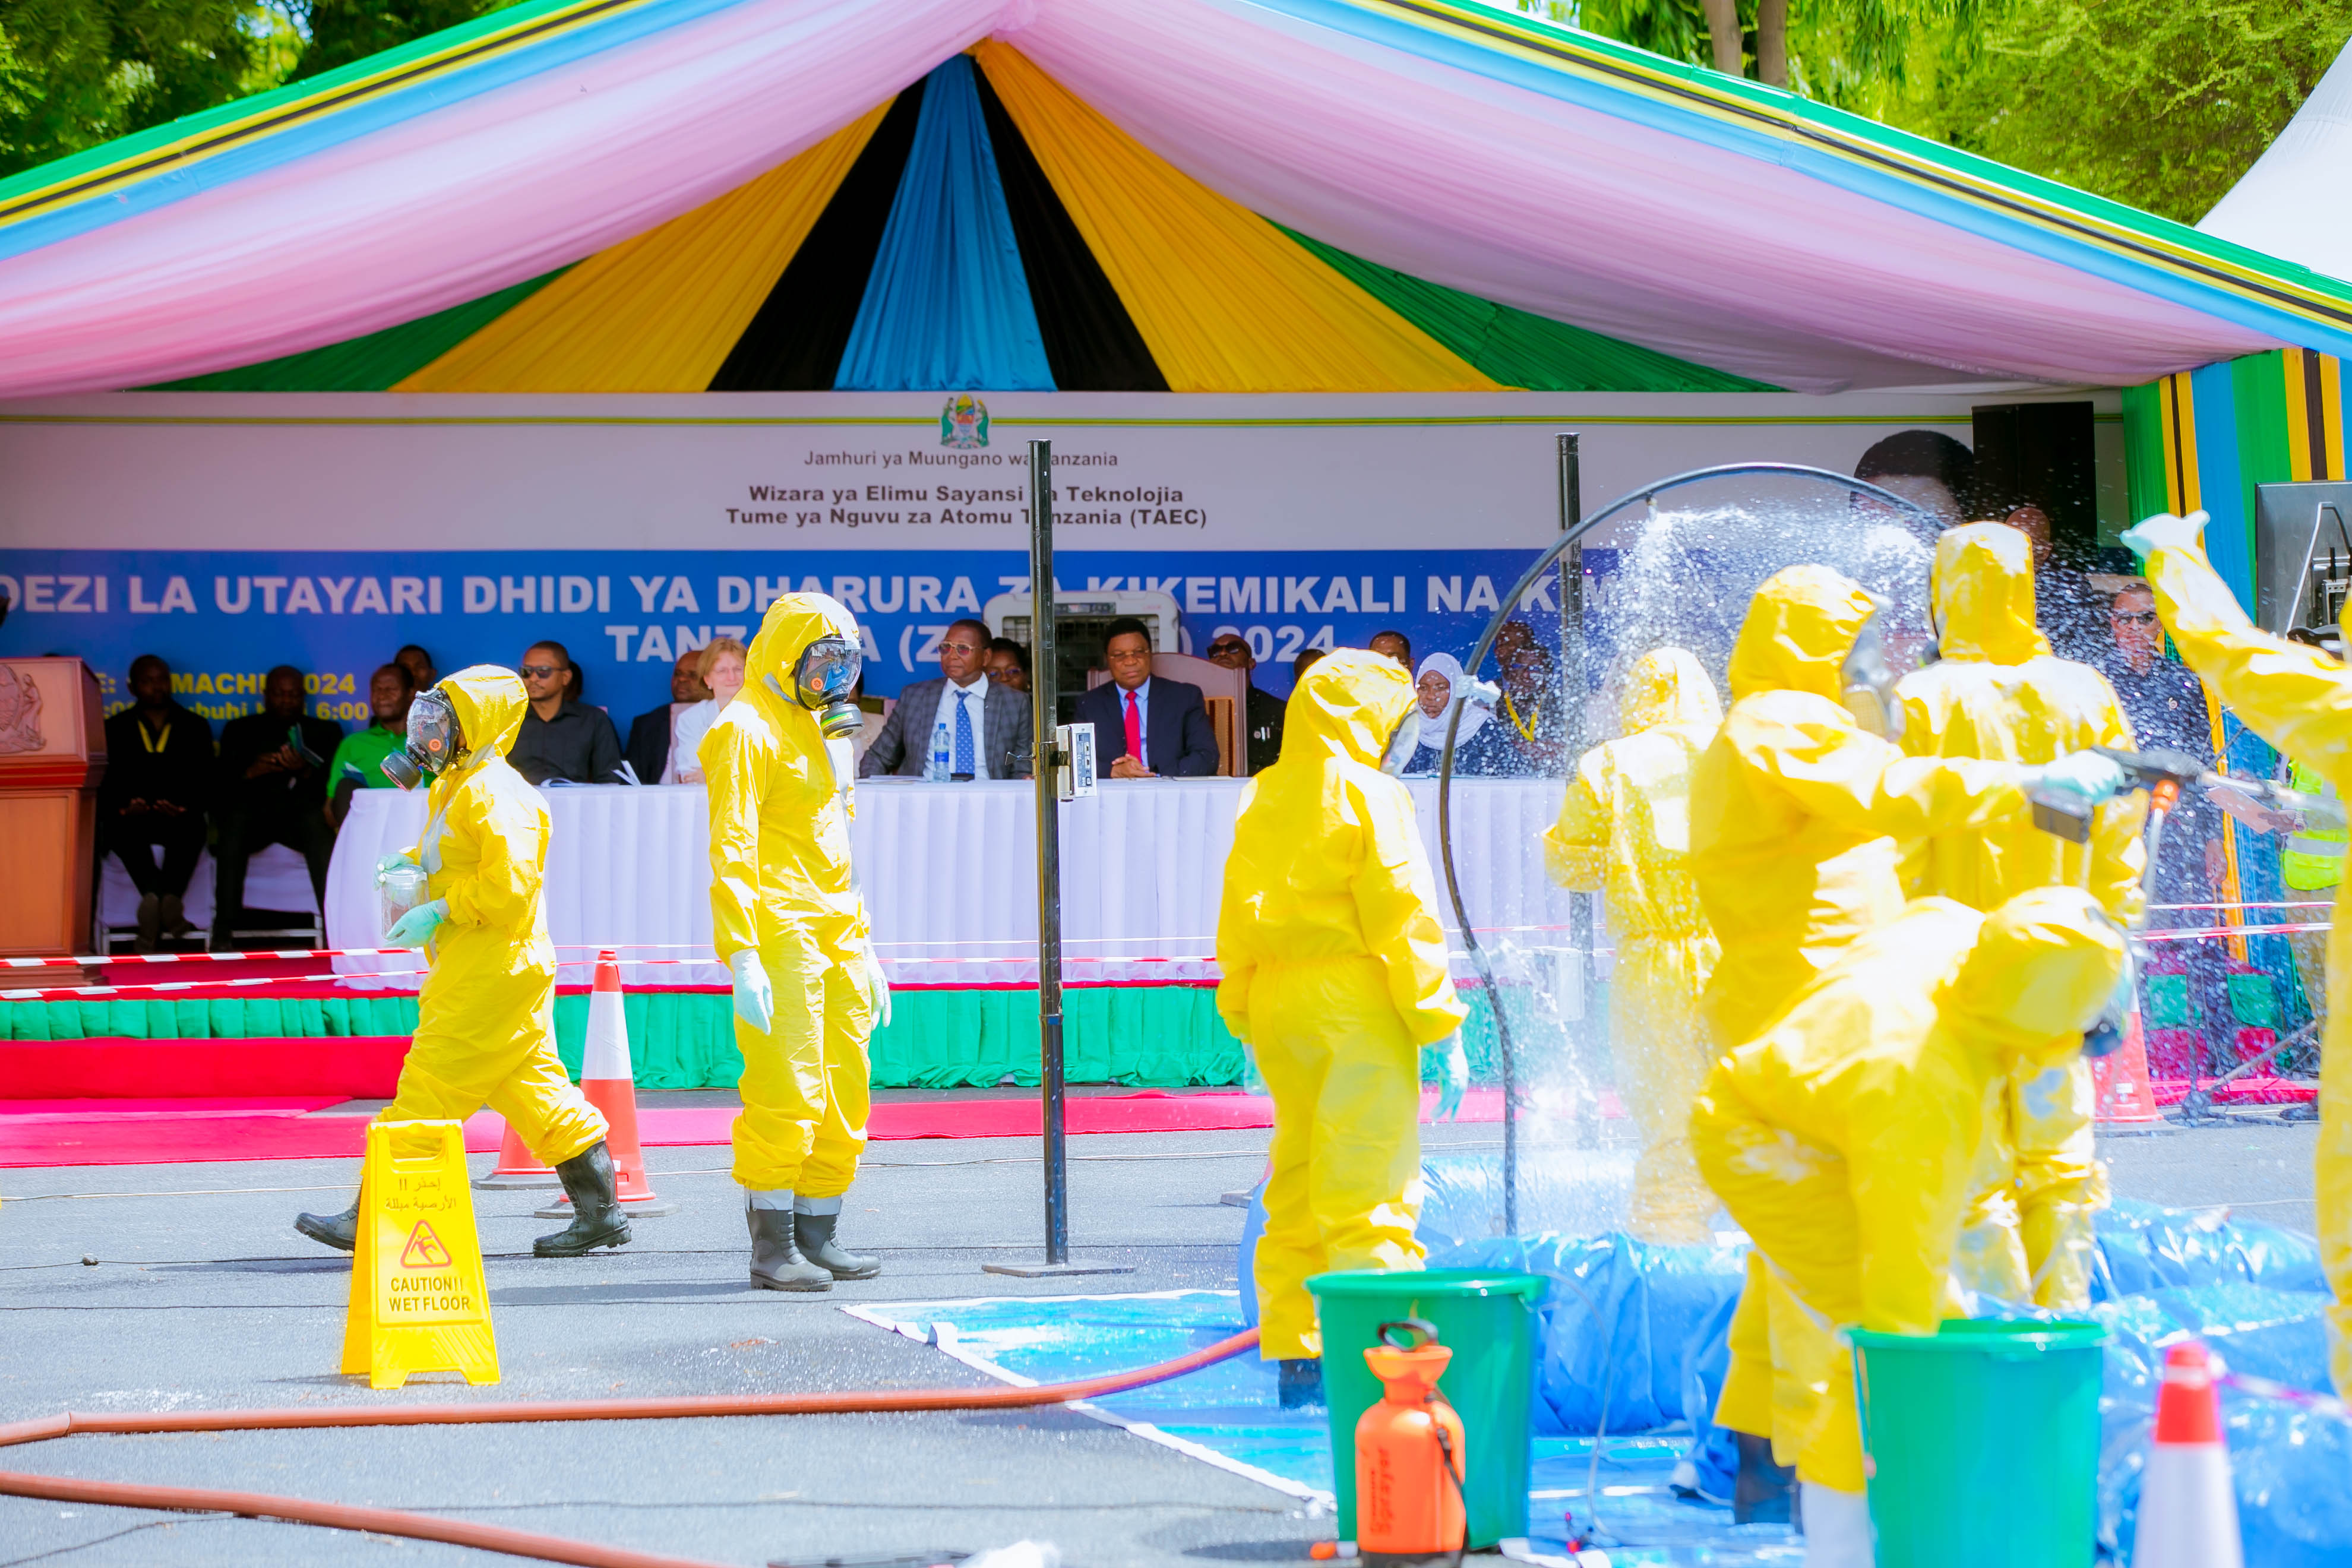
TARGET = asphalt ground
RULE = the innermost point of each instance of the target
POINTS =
(203, 1295)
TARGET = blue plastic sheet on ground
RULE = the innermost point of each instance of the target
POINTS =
(1641, 1329)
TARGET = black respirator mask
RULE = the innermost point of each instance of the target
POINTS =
(433, 741)
(822, 678)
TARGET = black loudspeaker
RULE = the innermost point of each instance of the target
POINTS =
(2039, 454)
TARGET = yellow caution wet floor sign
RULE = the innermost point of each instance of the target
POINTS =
(418, 1300)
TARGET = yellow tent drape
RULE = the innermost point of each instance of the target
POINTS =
(1224, 300)
(659, 312)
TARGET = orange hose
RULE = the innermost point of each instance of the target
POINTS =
(496, 1538)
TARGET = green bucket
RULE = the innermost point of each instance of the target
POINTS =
(1981, 1443)
(1487, 1318)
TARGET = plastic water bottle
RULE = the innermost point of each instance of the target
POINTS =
(938, 768)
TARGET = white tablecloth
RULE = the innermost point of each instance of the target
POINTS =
(949, 876)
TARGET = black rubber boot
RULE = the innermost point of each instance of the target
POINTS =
(1301, 1382)
(340, 1231)
(597, 1217)
(813, 1233)
(776, 1260)
(1763, 1491)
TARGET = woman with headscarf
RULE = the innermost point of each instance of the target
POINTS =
(1475, 749)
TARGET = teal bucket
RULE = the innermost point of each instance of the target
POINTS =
(1981, 1443)
(1487, 1318)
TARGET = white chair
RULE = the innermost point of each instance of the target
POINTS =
(276, 879)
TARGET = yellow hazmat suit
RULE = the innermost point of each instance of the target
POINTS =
(1625, 827)
(780, 886)
(1844, 1138)
(485, 1016)
(1335, 974)
(2298, 699)
(1998, 693)
(1795, 810)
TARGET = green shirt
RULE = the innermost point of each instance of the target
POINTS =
(364, 752)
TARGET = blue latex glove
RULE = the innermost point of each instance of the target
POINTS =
(415, 927)
(755, 998)
(387, 862)
(1453, 1075)
(2166, 532)
(2086, 776)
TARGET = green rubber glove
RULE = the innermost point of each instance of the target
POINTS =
(415, 927)
(755, 997)
(2166, 532)
(2086, 776)
(1453, 1075)
(877, 987)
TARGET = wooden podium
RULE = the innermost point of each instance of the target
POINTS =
(52, 756)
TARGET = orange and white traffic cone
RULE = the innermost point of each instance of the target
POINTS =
(2125, 1097)
(2188, 1506)
(518, 1167)
(609, 1081)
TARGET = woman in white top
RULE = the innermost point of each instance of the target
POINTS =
(721, 670)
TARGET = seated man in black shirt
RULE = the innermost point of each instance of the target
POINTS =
(1262, 729)
(562, 737)
(271, 791)
(159, 775)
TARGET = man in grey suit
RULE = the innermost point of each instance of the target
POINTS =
(988, 725)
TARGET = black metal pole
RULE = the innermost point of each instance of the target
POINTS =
(1043, 700)
(1573, 688)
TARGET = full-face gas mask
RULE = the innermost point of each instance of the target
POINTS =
(822, 678)
(1403, 740)
(434, 740)
(2106, 1037)
(1866, 681)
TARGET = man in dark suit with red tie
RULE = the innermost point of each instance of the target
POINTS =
(1149, 729)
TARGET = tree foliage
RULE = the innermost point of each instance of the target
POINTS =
(74, 73)
(2159, 103)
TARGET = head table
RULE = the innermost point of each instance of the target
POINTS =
(949, 875)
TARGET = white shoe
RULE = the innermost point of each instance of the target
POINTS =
(1837, 1528)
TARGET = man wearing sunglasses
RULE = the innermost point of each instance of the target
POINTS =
(562, 737)
(983, 725)
(1263, 740)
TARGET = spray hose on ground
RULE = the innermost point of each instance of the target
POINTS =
(496, 1538)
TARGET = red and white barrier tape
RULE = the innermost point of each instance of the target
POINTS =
(2199, 933)
(2324, 1403)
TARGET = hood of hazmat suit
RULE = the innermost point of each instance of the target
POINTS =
(2299, 699)
(1999, 693)
(1328, 860)
(1335, 974)
(1845, 1137)
(1624, 827)
(485, 1025)
(779, 830)
(1795, 811)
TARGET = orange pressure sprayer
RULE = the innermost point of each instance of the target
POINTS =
(1409, 1455)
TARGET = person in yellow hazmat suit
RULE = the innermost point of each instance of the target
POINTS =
(1797, 809)
(1844, 1139)
(2299, 699)
(1624, 827)
(787, 919)
(1334, 975)
(486, 1013)
(1998, 693)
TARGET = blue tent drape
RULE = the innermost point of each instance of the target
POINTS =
(948, 304)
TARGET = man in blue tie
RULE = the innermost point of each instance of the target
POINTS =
(986, 723)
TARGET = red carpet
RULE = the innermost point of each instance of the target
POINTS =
(173, 1132)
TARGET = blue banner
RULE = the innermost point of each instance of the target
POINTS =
(222, 618)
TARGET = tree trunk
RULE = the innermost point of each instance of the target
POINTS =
(1723, 33)
(1772, 41)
